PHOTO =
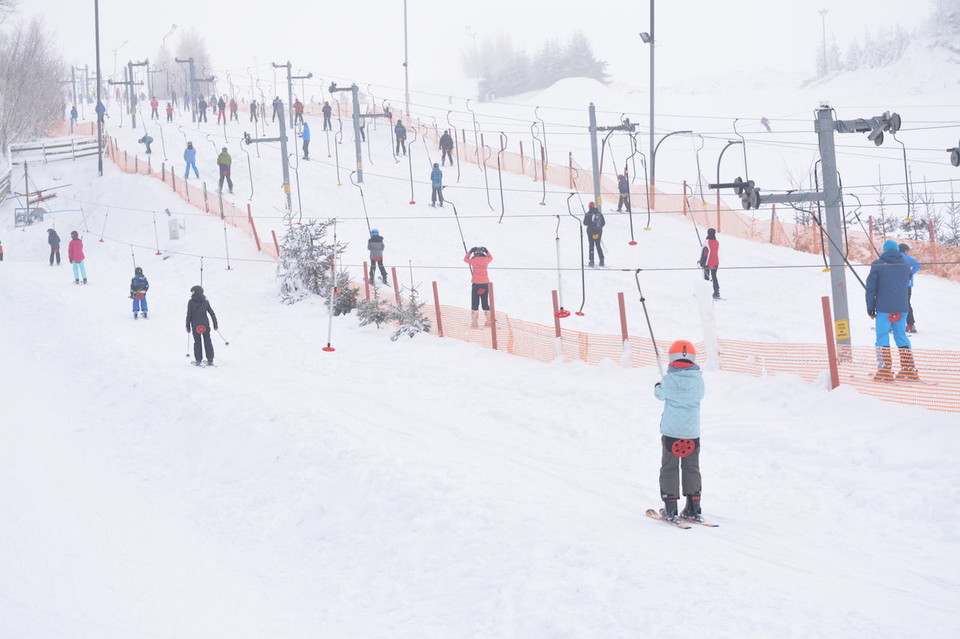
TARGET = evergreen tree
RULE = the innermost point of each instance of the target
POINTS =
(374, 311)
(410, 317)
(951, 236)
(304, 263)
(885, 223)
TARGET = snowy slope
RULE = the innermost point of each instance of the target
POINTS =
(429, 488)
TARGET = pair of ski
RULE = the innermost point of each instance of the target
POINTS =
(680, 522)
(203, 364)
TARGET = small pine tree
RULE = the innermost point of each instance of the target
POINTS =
(374, 311)
(410, 316)
(952, 223)
(304, 263)
(345, 295)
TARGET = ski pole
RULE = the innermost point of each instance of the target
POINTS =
(643, 302)
(225, 341)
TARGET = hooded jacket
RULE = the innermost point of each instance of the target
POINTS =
(224, 159)
(197, 309)
(436, 177)
(446, 142)
(887, 283)
(53, 239)
(479, 265)
(375, 246)
(75, 250)
(594, 221)
(190, 155)
(139, 284)
(400, 131)
(682, 390)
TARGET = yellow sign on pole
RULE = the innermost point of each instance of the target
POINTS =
(842, 328)
(286, 189)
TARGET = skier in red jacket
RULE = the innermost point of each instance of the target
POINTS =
(710, 260)
(76, 257)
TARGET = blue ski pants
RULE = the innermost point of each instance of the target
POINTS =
(79, 270)
(139, 303)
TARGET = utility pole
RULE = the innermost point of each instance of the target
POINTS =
(282, 139)
(193, 87)
(128, 84)
(626, 125)
(99, 108)
(831, 196)
(406, 60)
(290, 79)
(133, 94)
(356, 122)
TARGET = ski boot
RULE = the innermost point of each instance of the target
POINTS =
(692, 510)
(135, 316)
(885, 369)
(474, 319)
(907, 370)
(383, 279)
(144, 315)
(84, 280)
(76, 281)
(669, 511)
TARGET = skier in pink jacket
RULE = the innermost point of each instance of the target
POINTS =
(479, 258)
(76, 257)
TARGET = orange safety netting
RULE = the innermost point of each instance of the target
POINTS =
(195, 194)
(939, 371)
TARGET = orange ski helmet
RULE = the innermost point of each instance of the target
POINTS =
(682, 350)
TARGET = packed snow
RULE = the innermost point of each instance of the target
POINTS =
(429, 487)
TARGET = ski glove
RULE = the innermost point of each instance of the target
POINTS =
(188, 329)
(872, 313)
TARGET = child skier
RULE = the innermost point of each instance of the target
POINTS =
(197, 310)
(682, 390)
(375, 246)
(479, 258)
(138, 292)
(710, 260)
(54, 241)
(436, 181)
(76, 257)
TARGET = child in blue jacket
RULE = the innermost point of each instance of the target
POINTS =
(138, 292)
(682, 390)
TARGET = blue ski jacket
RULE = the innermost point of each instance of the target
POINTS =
(682, 389)
(305, 134)
(139, 284)
(887, 283)
(190, 155)
(436, 178)
(914, 267)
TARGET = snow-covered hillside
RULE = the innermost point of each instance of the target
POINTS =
(427, 487)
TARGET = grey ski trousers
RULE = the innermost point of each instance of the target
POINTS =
(671, 467)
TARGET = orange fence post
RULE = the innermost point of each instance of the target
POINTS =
(396, 286)
(556, 314)
(623, 317)
(493, 317)
(831, 345)
(366, 282)
(870, 228)
(436, 305)
(773, 217)
(684, 198)
(276, 244)
(163, 172)
(523, 169)
(253, 226)
(206, 205)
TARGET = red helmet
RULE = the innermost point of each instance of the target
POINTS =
(682, 350)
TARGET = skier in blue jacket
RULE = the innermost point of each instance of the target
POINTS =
(888, 304)
(681, 390)
(436, 181)
(190, 157)
(305, 136)
(138, 292)
(914, 267)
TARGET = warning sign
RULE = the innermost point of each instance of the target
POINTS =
(842, 328)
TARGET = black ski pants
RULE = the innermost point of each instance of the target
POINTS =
(624, 201)
(326, 123)
(202, 117)
(445, 155)
(671, 468)
(373, 266)
(437, 193)
(306, 149)
(710, 274)
(909, 306)
(225, 175)
(480, 296)
(401, 145)
(198, 346)
(54, 253)
(595, 242)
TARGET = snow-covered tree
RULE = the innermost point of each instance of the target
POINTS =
(7, 7)
(410, 317)
(192, 45)
(31, 94)
(951, 225)
(304, 263)
(884, 223)
(374, 311)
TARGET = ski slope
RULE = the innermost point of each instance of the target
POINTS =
(427, 487)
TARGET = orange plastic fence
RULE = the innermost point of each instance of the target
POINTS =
(194, 193)
(938, 388)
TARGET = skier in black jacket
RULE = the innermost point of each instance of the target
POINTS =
(197, 309)
(594, 222)
(446, 147)
(54, 241)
